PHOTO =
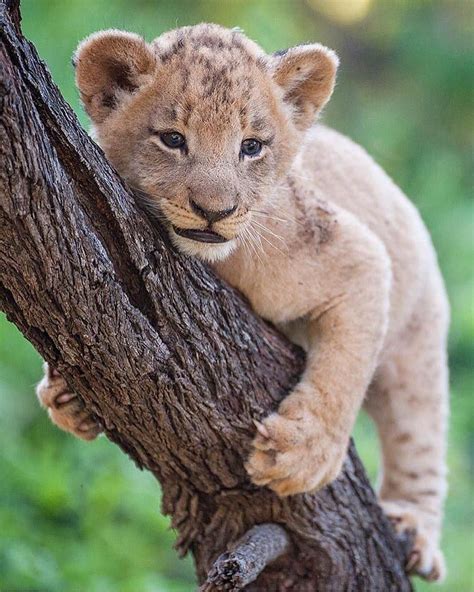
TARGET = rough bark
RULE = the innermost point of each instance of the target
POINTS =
(172, 362)
(245, 559)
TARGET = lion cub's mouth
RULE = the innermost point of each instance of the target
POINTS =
(203, 236)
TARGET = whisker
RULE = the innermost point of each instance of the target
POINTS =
(265, 214)
(252, 244)
(270, 243)
(253, 236)
(265, 229)
(245, 245)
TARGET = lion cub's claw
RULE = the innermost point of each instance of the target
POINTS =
(288, 457)
(261, 429)
(65, 409)
(425, 559)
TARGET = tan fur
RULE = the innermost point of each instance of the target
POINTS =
(322, 243)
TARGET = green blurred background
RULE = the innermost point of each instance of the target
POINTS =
(76, 516)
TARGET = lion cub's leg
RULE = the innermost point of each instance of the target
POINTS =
(65, 409)
(409, 402)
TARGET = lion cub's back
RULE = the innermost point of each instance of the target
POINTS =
(344, 174)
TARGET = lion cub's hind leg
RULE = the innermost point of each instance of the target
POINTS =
(409, 403)
(65, 409)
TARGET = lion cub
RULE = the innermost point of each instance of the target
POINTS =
(219, 137)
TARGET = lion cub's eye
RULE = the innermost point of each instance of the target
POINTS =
(173, 139)
(250, 147)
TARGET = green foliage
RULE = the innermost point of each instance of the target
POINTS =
(77, 516)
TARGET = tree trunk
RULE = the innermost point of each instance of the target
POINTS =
(173, 362)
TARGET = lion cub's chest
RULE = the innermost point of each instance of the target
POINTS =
(279, 291)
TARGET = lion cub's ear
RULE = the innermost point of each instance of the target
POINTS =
(110, 65)
(307, 74)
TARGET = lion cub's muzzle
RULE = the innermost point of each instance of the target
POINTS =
(206, 235)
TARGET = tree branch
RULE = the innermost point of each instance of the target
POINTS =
(247, 558)
(173, 362)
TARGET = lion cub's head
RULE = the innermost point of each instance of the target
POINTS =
(203, 122)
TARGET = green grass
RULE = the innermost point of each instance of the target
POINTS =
(76, 516)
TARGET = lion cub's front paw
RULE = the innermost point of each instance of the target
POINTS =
(293, 456)
(65, 409)
(425, 559)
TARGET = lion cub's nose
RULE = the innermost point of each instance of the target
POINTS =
(211, 215)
